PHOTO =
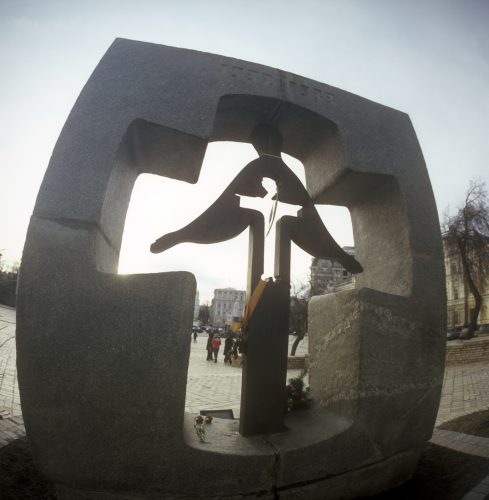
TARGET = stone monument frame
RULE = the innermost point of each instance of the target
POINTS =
(97, 412)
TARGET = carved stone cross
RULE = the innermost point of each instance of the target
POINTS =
(265, 360)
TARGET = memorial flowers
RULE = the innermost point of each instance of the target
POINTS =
(297, 395)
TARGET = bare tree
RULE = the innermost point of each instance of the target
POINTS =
(204, 314)
(299, 301)
(466, 233)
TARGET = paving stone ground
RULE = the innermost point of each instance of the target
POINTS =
(217, 386)
(465, 390)
(9, 392)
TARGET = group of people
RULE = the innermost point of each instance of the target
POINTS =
(214, 344)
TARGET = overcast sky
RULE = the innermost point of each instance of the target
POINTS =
(427, 58)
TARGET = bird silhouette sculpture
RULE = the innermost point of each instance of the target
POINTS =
(225, 218)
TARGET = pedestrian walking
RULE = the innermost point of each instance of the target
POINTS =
(208, 347)
(216, 344)
(228, 347)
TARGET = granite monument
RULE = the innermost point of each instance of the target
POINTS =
(96, 349)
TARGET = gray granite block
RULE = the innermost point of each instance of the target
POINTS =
(103, 358)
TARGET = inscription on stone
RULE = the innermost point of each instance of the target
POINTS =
(249, 74)
(264, 78)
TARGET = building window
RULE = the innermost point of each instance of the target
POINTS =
(454, 318)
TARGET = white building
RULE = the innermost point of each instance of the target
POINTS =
(227, 304)
(327, 275)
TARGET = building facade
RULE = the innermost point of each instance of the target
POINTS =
(327, 275)
(228, 303)
(460, 302)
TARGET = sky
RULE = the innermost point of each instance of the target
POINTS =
(428, 58)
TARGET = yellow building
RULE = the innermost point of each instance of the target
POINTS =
(460, 302)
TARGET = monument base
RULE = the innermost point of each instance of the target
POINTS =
(362, 482)
(328, 476)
